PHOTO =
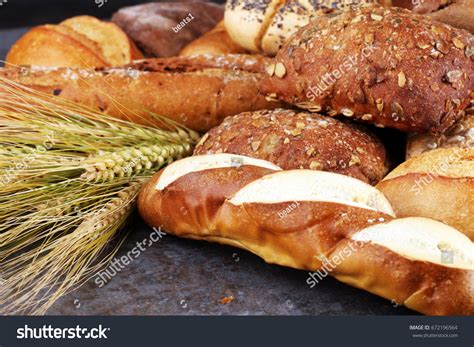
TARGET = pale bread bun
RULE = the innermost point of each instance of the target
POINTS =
(246, 22)
(438, 184)
(265, 25)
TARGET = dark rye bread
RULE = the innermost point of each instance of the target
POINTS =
(154, 26)
(300, 140)
(388, 67)
(196, 92)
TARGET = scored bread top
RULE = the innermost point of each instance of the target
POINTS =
(422, 239)
(309, 185)
(448, 162)
(206, 162)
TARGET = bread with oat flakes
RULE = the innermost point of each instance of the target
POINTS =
(388, 67)
(300, 140)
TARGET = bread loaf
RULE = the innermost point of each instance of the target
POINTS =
(265, 25)
(300, 140)
(461, 135)
(308, 219)
(458, 13)
(162, 29)
(215, 42)
(196, 92)
(438, 184)
(82, 41)
(371, 65)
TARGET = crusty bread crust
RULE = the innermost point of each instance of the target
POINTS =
(200, 205)
(53, 45)
(195, 92)
(438, 184)
(386, 81)
(300, 140)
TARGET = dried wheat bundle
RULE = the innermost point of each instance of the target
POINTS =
(69, 178)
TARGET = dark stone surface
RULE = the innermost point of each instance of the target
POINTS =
(184, 277)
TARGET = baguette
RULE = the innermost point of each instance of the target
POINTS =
(438, 184)
(371, 65)
(300, 140)
(196, 92)
(308, 219)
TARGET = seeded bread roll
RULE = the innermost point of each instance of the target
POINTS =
(265, 25)
(460, 135)
(197, 92)
(215, 42)
(300, 140)
(315, 221)
(372, 65)
(438, 184)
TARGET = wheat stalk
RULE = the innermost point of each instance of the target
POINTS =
(69, 178)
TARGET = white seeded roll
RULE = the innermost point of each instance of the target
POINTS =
(316, 221)
(438, 184)
(265, 25)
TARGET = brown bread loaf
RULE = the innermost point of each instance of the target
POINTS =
(162, 29)
(196, 92)
(388, 67)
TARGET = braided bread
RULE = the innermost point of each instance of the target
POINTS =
(306, 219)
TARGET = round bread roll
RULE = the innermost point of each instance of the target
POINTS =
(438, 184)
(265, 25)
(82, 41)
(215, 42)
(460, 135)
(300, 140)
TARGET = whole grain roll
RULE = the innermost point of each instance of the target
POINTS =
(460, 135)
(388, 67)
(300, 140)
